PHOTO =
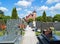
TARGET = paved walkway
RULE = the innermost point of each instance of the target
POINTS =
(29, 37)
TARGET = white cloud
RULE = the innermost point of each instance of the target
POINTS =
(21, 15)
(52, 8)
(23, 3)
(28, 0)
(28, 12)
(25, 10)
(3, 9)
(56, 7)
(43, 8)
(18, 9)
(52, 1)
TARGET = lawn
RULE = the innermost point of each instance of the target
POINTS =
(37, 33)
(57, 33)
(23, 32)
(1, 33)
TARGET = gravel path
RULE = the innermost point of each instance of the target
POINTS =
(29, 37)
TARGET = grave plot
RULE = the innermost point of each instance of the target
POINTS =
(12, 35)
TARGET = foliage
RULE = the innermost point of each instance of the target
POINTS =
(7, 17)
(44, 18)
(1, 16)
(37, 33)
(14, 14)
(49, 19)
(57, 33)
(39, 18)
(2, 33)
(1, 12)
(56, 17)
(30, 20)
(23, 32)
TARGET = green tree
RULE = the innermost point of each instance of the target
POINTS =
(6, 17)
(1, 14)
(39, 18)
(44, 18)
(30, 20)
(56, 17)
(14, 14)
(49, 19)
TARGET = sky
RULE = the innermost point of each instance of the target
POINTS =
(25, 7)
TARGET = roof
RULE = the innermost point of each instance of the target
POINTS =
(34, 11)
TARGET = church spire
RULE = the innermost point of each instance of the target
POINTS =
(34, 11)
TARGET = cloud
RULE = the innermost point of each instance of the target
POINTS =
(52, 8)
(21, 15)
(23, 3)
(3, 9)
(25, 10)
(28, 12)
(18, 9)
(56, 7)
(42, 8)
(52, 1)
(28, 0)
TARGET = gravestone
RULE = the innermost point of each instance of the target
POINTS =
(57, 26)
(12, 32)
(12, 26)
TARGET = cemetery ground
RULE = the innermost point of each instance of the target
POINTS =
(13, 33)
(29, 37)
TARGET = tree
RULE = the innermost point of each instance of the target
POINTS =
(39, 18)
(49, 19)
(30, 20)
(14, 14)
(56, 17)
(7, 17)
(44, 18)
(1, 14)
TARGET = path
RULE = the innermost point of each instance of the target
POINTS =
(29, 37)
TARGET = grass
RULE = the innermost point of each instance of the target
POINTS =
(1, 33)
(37, 33)
(57, 33)
(23, 32)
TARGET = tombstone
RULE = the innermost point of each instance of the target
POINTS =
(31, 24)
(46, 25)
(38, 24)
(57, 26)
(12, 25)
(12, 31)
